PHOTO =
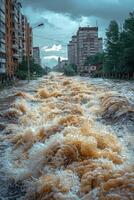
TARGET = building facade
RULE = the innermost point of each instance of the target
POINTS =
(27, 45)
(83, 45)
(2, 38)
(61, 64)
(100, 45)
(12, 36)
(15, 37)
(36, 55)
(27, 38)
(87, 44)
(72, 51)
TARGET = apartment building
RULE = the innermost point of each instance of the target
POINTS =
(87, 44)
(16, 37)
(100, 45)
(36, 55)
(27, 38)
(2, 39)
(20, 33)
(61, 64)
(84, 44)
(12, 36)
(72, 51)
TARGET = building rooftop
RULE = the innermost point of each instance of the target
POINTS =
(88, 28)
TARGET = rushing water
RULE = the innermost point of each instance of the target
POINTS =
(67, 138)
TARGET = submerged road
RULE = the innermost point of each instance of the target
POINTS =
(67, 138)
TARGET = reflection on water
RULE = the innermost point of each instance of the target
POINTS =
(67, 138)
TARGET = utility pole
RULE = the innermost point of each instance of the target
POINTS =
(28, 61)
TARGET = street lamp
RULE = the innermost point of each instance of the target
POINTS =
(28, 61)
(41, 24)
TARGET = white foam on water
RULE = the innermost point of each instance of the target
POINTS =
(59, 152)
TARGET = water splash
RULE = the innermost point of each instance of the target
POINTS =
(61, 146)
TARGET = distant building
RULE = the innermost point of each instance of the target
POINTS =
(72, 51)
(84, 44)
(27, 37)
(61, 64)
(36, 55)
(2, 38)
(100, 45)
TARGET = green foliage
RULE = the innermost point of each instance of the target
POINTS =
(127, 36)
(112, 48)
(74, 67)
(119, 56)
(96, 59)
(35, 69)
(70, 70)
(21, 74)
(57, 68)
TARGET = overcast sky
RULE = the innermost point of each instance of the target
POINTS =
(63, 17)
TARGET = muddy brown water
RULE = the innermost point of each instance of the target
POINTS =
(124, 129)
(9, 189)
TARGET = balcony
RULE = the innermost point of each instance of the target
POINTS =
(2, 60)
(15, 46)
(14, 12)
(15, 55)
(2, 7)
(2, 49)
(15, 40)
(2, 29)
(2, 68)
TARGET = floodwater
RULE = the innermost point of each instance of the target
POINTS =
(67, 139)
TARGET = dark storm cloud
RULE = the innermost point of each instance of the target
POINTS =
(105, 9)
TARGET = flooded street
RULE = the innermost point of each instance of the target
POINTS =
(67, 139)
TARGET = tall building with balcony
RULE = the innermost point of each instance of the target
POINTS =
(29, 41)
(15, 36)
(83, 45)
(100, 45)
(13, 10)
(87, 44)
(36, 55)
(20, 33)
(72, 51)
(27, 38)
(2, 38)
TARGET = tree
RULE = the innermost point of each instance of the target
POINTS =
(96, 59)
(35, 69)
(70, 70)
(112, 48)
(127, 38)
(74, 67)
